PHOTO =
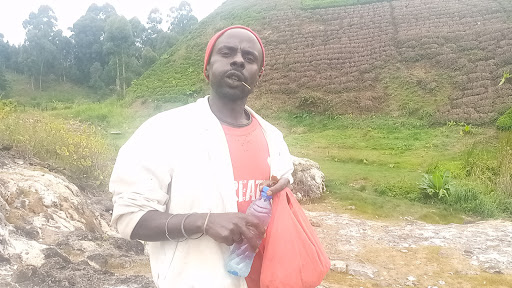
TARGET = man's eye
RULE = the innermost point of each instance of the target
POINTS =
(249, 58)
(224, 53)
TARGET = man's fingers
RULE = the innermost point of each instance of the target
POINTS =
(251, 238)
(255, 224)
(264, 183)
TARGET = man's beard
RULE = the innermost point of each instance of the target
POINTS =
(228, 93)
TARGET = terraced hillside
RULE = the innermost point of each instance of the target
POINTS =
(441, 59)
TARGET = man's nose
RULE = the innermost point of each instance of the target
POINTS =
(238, 61)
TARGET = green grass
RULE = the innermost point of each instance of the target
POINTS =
(505, 121)
(417, 91)
(55, 93)
(374, 163)
(377, 163)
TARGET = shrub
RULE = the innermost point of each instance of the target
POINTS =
(78, 149)
(7, 107)
(436, 185)
(505, 121)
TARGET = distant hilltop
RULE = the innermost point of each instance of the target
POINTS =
(436, 59)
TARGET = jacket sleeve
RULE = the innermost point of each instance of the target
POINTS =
(140, 179)
(282, 165)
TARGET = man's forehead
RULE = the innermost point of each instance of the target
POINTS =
(235, 36)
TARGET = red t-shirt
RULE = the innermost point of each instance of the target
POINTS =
(249, 153)
(249, 157)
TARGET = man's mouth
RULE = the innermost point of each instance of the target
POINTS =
(235, 76)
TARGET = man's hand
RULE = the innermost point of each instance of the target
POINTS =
(230, 228)
(275, 185)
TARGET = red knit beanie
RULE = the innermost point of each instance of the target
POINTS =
(217, 36)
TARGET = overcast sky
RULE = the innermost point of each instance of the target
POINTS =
(13, 12)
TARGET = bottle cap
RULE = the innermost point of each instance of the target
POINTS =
(264, 193)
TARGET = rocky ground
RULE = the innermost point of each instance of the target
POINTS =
(404, 253)
(54, 235)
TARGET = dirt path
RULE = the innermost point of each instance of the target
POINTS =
(412, 253)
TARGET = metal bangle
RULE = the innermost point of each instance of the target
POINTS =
(183, 228)
(206, 222)
(166, 231)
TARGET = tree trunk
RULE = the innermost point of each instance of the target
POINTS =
(117, 79)
(124, 76)
(32, 82)
(41, 77)
(63, 68)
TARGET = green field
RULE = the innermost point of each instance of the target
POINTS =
(374, 163)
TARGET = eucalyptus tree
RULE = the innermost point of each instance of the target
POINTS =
(65, 48)
(119, 44)
(154, 23)
(181, 19)
(88, 34)
(39, 45)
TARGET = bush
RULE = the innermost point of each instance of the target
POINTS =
(7, 107)
(79, 149)
(436, 185)
(505, 121)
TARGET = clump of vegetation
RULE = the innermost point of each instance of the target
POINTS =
(506, 75)
(436, 185)
(505, 121)
(471, 200)
(79, 149)
(7, 107)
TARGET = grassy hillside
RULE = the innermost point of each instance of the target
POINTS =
(345, 57)
(349, 60)
(54, 93)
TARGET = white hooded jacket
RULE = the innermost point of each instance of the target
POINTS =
(178, 162)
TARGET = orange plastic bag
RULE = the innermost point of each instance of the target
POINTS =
(294, 256)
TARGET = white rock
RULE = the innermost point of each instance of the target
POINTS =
(338, 266)
(308, 180)
(30, 251)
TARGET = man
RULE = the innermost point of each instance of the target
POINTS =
(184, 180)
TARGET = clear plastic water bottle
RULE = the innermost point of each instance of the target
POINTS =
(241, 256)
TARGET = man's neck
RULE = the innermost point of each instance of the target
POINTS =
(227, 110)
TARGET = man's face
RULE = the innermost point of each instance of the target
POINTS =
(236, 58)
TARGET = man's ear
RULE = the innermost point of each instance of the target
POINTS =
(207, 71)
